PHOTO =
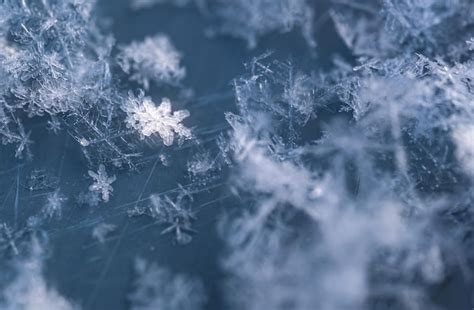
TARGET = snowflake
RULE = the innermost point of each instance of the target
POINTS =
(54, 124)
(175, 214)
(148, 119)
(102, 182)
(155, 59)
(54, 205)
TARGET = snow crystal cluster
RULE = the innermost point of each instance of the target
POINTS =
(342, 181)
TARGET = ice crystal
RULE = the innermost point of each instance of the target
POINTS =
(176, 215)
(397, 105)
(277, 88)
(55, 62)
(154, 59)
(148, 119)
(102, 182)
(382, 27)
(54, 125)
(54, 205)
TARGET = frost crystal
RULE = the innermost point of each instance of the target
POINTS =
(148, 119)
(153, 60)
(102, 182)
(158, 288)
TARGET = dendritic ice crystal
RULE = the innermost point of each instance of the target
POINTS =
(144, 116)
(102, 183)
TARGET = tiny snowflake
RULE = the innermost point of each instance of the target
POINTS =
(102, 182)
(54, 125)
(54, 205)
(147, 118)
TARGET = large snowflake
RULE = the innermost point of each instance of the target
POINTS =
(148, 119)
